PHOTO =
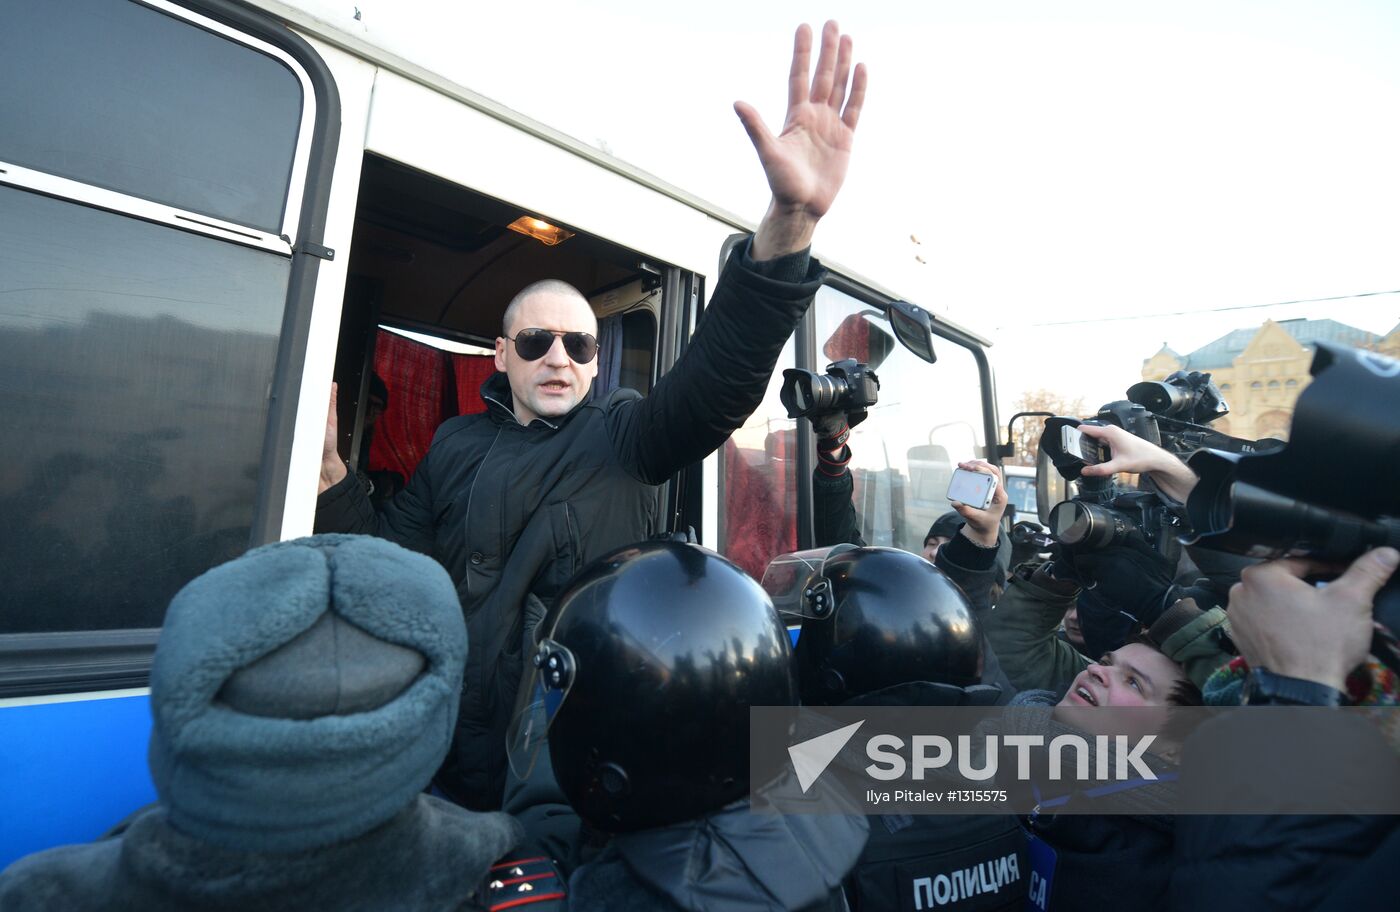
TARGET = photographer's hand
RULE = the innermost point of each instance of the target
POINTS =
(1293, 628)
(1133, 454)
(332, 466)
(806, 163)
(983, 526)
(1129, 578)
(831, 430)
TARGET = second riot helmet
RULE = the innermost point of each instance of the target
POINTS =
(874, 618)
(643, 675)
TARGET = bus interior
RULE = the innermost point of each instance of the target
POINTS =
(432, 267)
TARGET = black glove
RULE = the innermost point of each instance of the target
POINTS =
(1126, 586)
(1060, 569)
(832, 429)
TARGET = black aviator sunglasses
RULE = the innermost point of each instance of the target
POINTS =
(534, 344)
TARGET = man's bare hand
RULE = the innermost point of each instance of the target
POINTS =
(806, 163)
(983, 526)
(1135, 455)
(332, 466)
(1292, 628)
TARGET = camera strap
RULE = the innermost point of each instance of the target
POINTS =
(835, 441)
(829, 466)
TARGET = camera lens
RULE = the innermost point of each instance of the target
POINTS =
(802, 395)
(1088, 525)
(1160, 398)
(826, 391)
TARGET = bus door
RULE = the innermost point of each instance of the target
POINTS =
(432, 267)
(459, 209)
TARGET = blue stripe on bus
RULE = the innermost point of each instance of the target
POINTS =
(70, 771)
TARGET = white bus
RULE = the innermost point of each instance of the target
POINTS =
(211, 209)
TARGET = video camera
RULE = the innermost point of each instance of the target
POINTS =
(1331, 493)
(1173, 415)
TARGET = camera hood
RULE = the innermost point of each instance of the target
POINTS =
(1068, 466)
(1344, 447)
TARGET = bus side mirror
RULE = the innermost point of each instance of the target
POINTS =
(913, 326)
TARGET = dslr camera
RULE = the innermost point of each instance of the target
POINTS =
(1102, 515)
(847, 386)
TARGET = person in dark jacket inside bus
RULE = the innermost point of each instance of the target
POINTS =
(514, 501)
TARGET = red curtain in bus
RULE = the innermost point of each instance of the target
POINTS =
(760, 502)
(470, 371)
(426, 387)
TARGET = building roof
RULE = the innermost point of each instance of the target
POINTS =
(1223, 351)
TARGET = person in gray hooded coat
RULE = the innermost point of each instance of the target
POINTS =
(303, 695)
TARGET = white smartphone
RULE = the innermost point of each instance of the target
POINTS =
(976, 489)
(1087, 449)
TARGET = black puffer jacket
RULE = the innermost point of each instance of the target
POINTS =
(1285, 863)
(513, 511)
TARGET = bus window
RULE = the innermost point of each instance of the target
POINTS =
(758, 466)
(1020, 491)
(927, 420)
(150, 183)
(135, 359)
(144, 104)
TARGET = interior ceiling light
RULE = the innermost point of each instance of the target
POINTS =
(540, 230)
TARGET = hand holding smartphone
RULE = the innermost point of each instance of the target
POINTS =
(1075, 443)
(976, 489)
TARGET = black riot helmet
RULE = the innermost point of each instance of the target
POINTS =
(876, 618)
(642, 679)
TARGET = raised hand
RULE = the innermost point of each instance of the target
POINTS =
(332, 466)
(806, 163)
(983, 526)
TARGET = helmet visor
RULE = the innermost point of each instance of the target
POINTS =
(795, 584)
(542, 692)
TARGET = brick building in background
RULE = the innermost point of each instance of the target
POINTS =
(1262, 370)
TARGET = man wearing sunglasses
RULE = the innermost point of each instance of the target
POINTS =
(549, 350)
(513, 502)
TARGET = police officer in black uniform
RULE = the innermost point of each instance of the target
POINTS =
(644, 673)
(884, 627)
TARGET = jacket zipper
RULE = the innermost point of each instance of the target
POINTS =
(471, 492)
(511, 413)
